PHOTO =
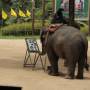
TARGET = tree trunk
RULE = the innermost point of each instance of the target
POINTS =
(53, 6)
(33, 16)
(71, 12)
(43, 10)
(89, 17)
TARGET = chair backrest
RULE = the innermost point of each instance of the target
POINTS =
(32, 45)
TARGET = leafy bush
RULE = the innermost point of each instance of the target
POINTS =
(10, 20)
(84, 28)
(38, 13)
(48, 6)
(20, 29)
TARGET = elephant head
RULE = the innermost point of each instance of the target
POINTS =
(45, 33)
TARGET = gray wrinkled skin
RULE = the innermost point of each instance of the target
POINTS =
(68, 43)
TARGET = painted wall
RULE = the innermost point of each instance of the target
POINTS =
(81, 7)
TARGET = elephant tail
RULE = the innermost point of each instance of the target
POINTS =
(86, 60)
(87, 66)
(84, 50)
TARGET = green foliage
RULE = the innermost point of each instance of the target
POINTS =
(16, 5)
(38, 3)
(84, 28)
(24, 5)
(38, 13)
(23, 25)
(10, 20)
(20, 29)
(48, 6)
(6, 1)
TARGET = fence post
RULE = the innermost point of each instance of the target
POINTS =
(71, 11)
(89, 15)
(33, 16)
(43, 10)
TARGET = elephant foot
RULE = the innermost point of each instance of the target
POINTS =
(79, 77)
(51, 72)
(69, 77)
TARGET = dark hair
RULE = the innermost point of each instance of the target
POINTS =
(59, 12)
(58, 17)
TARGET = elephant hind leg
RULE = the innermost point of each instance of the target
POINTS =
(80, 68)
(81, 61)
(71, 69)
(71, 65)
(53, 58)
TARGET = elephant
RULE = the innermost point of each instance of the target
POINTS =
(70, 44)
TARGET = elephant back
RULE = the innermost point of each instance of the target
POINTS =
(67, 34)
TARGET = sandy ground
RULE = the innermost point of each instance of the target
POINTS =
(12, 72)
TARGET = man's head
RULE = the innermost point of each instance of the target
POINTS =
(59, 12)
(58, 16)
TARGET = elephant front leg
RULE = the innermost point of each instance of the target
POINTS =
(53, 69)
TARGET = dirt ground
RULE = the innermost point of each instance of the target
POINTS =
(12, 72)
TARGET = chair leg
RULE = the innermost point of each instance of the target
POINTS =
(45, 63)
(30, 59)
(26, 58)
(35, 61)
(35, 58)
(25, 63)
(42, 63)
